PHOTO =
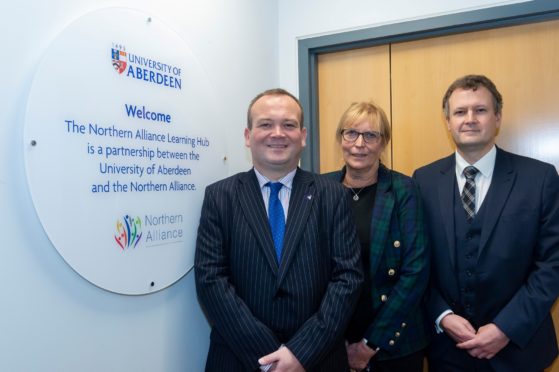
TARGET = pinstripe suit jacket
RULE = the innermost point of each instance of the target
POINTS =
(399, 264)
(253, 304)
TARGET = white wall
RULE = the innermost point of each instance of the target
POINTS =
(51, 319)
(311, 18)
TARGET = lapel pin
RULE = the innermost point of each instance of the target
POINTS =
(309, 196)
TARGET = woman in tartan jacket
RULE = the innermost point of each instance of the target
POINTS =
(388, 331)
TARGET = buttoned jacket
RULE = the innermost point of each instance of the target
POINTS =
(517, 262)
(399, 264)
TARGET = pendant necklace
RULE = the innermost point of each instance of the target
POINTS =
(355, 197)
(356, 194)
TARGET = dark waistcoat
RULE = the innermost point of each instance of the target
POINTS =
(467, 249)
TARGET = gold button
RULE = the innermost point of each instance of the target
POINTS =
(396, 244)
(404, 325)
(383, 298)
(391, 342)
(397, 334)
(391, 272)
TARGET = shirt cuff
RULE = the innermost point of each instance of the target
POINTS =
(438, 321)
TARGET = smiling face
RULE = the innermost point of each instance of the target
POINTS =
(276, 138)
(473, 122)
(360, 155)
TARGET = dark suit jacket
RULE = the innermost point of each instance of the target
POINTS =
(254, 306)
(517, 272)
(399, 266)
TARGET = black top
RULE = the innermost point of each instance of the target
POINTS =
(363, 212)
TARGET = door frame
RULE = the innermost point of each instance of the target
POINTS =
(476, 20)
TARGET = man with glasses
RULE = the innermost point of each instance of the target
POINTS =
(493, 225)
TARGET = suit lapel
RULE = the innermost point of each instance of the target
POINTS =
(447, 186)
(254, 210)
(303, 195)
(497, 195)
(382, 212)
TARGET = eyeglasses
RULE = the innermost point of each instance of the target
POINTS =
(351, 135)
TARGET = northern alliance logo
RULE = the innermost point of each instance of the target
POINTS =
(118, 53)
(146, 69)
(128, 232)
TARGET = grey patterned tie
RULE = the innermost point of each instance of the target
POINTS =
(469, 192)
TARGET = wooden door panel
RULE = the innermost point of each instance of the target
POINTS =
(343, 78)
(521, 60)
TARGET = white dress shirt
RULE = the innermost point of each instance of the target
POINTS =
(284, 193)
(485, 166)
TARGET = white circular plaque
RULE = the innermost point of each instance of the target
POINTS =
(120, 142)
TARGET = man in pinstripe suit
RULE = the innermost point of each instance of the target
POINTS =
(270, 309)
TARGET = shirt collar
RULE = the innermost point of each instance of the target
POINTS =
(485, 165)
(286, 180)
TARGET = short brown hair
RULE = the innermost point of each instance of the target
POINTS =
(370, 111)
(473, 82)
(274, 92)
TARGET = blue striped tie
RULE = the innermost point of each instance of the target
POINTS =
(276, 217)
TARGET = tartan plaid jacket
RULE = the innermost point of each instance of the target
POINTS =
(399, 266)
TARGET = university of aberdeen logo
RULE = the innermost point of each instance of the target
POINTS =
(119, 57)
(128, 232)
(148, 70)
